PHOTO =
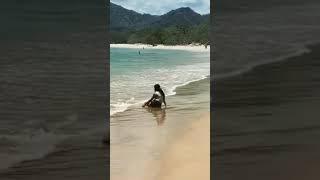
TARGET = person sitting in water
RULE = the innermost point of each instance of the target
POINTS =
(157, 98)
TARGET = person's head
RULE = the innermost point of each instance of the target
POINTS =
(157, 87)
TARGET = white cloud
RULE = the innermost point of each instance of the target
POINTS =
(159, 7)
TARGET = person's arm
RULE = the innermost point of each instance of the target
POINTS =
(146, 103)
(164, 101)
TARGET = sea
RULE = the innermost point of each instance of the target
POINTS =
(133, 75)
(266, 77)
(53, 90)
(253, 35)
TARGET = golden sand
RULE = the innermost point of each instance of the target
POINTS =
(189, 155)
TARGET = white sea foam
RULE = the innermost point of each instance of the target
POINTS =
(24, 147)
(299, 51)
(35, 141)
(142, 87)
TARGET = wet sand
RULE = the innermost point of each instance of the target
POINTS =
(267, 121)
(188, 156)
(156, 145)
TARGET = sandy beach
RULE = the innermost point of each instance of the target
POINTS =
(194, 48)
(187, 157)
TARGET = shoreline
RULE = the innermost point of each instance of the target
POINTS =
(193, 48)
(157, 136)
(270, 110)
(168, 95)
(250, 67)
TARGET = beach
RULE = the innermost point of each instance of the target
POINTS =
(144, 140)
(188, 156)
(191, 47)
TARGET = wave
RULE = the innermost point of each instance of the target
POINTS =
(121, 107)
(301, 49)
(22, 147)
(173, 91)
(38, 140)
(181, 79)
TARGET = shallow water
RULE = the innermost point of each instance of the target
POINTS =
(52, 76)
(133, 75)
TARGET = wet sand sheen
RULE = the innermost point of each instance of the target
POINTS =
(187, 157)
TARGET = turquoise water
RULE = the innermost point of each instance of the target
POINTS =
(133, 75)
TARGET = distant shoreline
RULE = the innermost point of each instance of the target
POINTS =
(194, 48)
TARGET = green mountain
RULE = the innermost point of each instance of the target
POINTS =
(180, 26)
(122, 19)
(182, 16)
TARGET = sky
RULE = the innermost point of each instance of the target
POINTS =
(159, 7)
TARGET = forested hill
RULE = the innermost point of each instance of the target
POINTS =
(180, 26)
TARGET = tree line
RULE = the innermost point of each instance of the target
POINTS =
(173, 35)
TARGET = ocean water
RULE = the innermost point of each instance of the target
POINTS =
(266, 116)
(52, 90)
(133, 75)
(246, 39)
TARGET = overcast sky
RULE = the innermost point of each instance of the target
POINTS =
(159, 7)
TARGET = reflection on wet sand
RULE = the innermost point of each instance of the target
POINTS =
(159, 114)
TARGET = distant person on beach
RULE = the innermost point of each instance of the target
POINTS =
(157, 98)
(139, 52)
